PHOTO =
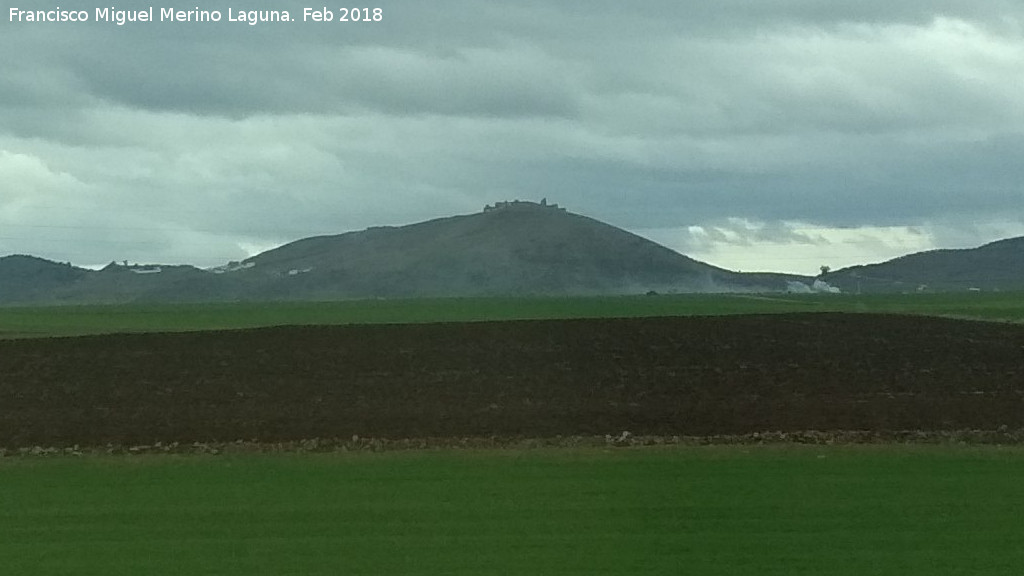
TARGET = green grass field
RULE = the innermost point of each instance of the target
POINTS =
(76, 320)
(765, 510)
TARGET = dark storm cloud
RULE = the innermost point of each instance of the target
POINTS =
(456, 57)
(216, 139)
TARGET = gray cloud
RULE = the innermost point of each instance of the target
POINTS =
(201, 142)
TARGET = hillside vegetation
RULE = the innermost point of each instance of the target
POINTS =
(995, 266)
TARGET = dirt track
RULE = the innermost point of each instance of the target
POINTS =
(685, 376)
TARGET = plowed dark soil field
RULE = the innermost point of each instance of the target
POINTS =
(666, 376)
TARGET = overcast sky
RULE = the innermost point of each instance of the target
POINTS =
(778, 134)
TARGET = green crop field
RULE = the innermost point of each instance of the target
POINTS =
(768, 510)
(76, 320)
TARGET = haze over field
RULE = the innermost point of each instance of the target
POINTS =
(779, 135)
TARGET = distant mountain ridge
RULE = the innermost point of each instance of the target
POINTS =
(997, 265)
(510, 248)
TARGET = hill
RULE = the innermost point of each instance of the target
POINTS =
(32, 280)
(28, 278)
(509, 249)
(995, 266)
(515, 248)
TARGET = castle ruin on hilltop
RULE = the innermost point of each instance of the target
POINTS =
(521, 204)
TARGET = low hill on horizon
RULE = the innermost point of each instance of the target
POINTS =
(515, 248)
(509, 249)
(997, 265)
(25, 278)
